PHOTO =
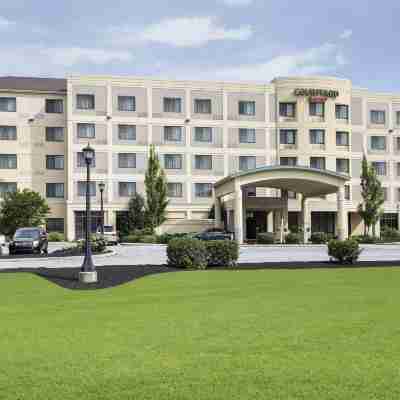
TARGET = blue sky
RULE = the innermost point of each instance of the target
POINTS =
(248, 40)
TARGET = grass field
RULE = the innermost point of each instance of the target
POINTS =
(300, 334)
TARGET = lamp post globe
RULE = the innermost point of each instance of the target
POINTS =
(88, 273)
(102, 186)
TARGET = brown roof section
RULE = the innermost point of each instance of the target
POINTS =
(33, 84)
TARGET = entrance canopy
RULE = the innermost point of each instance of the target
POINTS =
(308, 181)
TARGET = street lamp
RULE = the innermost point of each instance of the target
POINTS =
(88, 272)
(102, 186)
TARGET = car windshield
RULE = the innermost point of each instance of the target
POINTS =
(27, 234)
(108, 229)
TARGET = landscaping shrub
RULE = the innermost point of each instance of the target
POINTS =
(165, 238)
(319, 238)
(390, 234)
(148, 239)
(344, 251)
(265, 238)
(55, 237)
(187, 253)
(222, 252)
(293, 238)
(366, 239)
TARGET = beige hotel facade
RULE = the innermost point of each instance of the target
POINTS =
(287, 153)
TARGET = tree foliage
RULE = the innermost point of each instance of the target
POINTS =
(373, 197)
(22, 209)
(136, 212)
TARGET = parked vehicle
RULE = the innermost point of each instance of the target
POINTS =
(29, 240)
(110, 234)
(213, 234)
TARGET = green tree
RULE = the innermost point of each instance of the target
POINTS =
(373, 197)
(156, 191)
(22, 209)
(136, 212)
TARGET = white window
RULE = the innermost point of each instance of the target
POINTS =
(202, 106)
(82, 188)
(317, 162)
(247, 108)
(7, 187)
(288, 136)
(126, 103)
(203, 162)
(203, 134)
(174, 189)
(317, 109)
(81, 163)
(172, 104)
(54, 106)
(126, 160)
(8, 132)
(378, 117)
(203, 190)
(8, 104)
(54, 134)
(126, 132)
(247, 163)
(378, 142)
(8, 161)
(247, 135)
(85, 101)
(173, 161)
(342, 165)
(342, 111)
(173, 133)
(55, 190)
(126, 189)
(317, 136)
(55, 162)
(288, 161)
(86, 131)
(380, 167)
(342, 138)
(287, 110)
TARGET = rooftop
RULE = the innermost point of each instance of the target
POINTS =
(33, 84)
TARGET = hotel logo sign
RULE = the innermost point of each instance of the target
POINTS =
(316, 93)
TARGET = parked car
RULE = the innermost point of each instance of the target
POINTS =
(213, 234)
(110, 234)
(29, 240)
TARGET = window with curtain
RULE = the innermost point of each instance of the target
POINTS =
(126, 189)
(55, 190)
(85, 101)
(173, 161)
(378, 117)
(203, 134)
(317, 109)
(7, 187)
(55, 162)
(174, 189)
(55, 225)
(54, 106)
(172, 133)
(342, 165)
(86, 131)
(81, 163)
(247, 108)
(126, 103)
(54, 134)
(247, 135)
(347, 192)
(8, 104)
(380, 167)
(203, 162)
(247, 162)
(287, 136)
(202, 106)
(126, 160)
(8, 161)
(203, 190)
(317, 162)
(8, 132)
(342, 111)
(317, 136)
(126, 132)
(82, 189)
(378, 143)
(287, 110)
(288, 161)
(342, 138)
(172, 104)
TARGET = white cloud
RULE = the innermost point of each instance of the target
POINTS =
(5, 23)
(346, 34)
(237, 3)
(180, 32)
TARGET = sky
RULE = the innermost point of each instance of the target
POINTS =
(246, 40)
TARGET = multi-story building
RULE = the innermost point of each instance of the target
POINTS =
(203, 132)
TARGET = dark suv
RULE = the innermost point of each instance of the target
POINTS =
(29, 240)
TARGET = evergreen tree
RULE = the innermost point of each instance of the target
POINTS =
(156, 191)
(136, 212)
(372, 195)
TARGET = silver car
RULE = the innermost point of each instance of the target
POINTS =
(110, 234)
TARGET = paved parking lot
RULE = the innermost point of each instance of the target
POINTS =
(156, 255)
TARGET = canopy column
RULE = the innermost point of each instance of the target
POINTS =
(238, 215)
(305, 218)
(341, 216)
(217, 213)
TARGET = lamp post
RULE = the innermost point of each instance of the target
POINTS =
(102, 186)
(88, 272)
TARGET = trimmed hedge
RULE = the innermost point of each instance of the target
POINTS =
(222, 253)
(165, 238)
(320, 238)
(390, 235)
(366, 239)
(294, 238)
(344, 251)
(187, 253)
(56, 237)
(265, 238)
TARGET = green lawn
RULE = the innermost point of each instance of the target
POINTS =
(305, 334)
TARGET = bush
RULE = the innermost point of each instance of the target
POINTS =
(56, 237)
(390, 234)
(222, 252)
(293, 238)
(165, 238)
(319, 238)
(187, 253)
(98, 245)
(265, 238)
(148, 239)
(366, 239)
(344, 251)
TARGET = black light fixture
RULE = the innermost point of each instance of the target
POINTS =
(102, 186)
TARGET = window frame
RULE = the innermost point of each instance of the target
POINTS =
(283, 109)
(339, 114)
(172, 128)
(373, 138)
(313, 109)
(375, 119)
(48, 135)
(124, 126)
(246, 131)
(5, 99)
(91, 106)
(126, 183)
(196, 131)
(317, 133)
(5, 128)
(55, 157)
(180, 191)
(54, 102)
(173, 159)
(12, 157)
(208, 193)
(247, 158)
(338, 161)
(247, 108)
(197, 109)
(92, 184)
(120, 102)
(120, 159)
(318, 158)
(347, 138)
(285, 131)
(175, 100)
(85, 124)
(52, 184)
(197, 164)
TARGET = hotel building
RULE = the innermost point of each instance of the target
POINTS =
(208, 135)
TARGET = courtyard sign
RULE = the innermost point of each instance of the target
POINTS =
(316, 93)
